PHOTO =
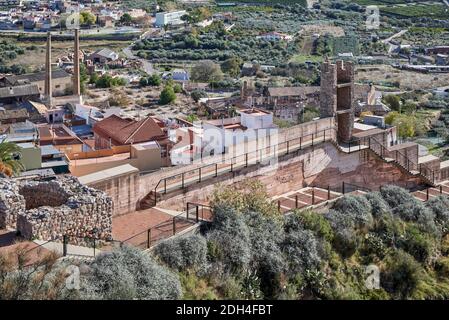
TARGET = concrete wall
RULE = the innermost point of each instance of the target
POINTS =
(123, 190)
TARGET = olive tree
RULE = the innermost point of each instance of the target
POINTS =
(184, 252)
(127, 273)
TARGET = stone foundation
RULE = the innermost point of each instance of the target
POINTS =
(50, 209)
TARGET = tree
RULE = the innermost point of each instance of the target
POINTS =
(231, 66)
(10, 163)
(197, 94)
(168, 95)
(206, 71)
(192, 118)
(87, 18)
(154, 80)
(126, 19)
(143, 82)
(393, 102)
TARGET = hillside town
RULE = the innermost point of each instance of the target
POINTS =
(239, 150)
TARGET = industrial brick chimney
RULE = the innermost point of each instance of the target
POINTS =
(76, 65)
(48, 81)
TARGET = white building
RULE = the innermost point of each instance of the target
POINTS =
(94, 114)
(169, 18)
(253, 127)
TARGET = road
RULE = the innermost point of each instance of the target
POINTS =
(93, 31)
(396, 35)
(146, 65)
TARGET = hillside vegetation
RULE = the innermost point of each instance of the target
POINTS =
(249, 251)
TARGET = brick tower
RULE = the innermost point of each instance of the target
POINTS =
(337, 96)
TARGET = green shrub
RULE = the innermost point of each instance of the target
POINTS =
(440, 208)
(401, 275)
(358, 208)
(396, 196)
(168, 95)
(379, 206)
(184, 252)
(420, 245)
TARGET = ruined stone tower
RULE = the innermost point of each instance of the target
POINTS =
(48, 80)
(337, 96)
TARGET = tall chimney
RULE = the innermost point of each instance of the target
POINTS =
(76, 65)
(48, 82)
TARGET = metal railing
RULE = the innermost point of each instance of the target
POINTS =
(184, 179)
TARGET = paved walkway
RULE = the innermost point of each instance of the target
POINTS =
(303, 198)
(132, 228)
(429, 193)
(57, 247)
(180, 181)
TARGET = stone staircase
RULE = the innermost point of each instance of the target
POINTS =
(379, 150)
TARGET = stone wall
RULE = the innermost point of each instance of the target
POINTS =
(320, 166)
(50, 209)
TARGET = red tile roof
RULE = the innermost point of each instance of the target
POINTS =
(126, 131)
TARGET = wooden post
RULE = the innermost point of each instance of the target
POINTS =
(174, 225)
(279, 205)
(148, 238)
(343, 187)
(313, 196)
(296, 201)
(441, 189)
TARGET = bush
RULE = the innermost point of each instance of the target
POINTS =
(415, 211)
(127, 273)
(168, 95)
(312, 221)
(184, 252)
(378, 205)
(401, 276)
(396, 196)
(357, 208)
(301, 249)
(177, 88)
(229, 240)
(198, 94)
(440, 208)
(266, 233)
(420, 245)
(345, 240)
(154, 80)
(143, 82)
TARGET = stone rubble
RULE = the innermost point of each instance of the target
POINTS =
(48, 210)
